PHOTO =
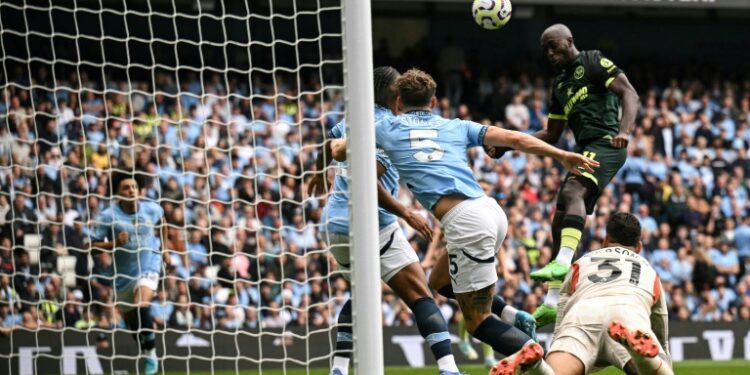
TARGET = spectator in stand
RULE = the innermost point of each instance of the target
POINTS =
(230, 172)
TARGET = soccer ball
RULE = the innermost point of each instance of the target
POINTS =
(491, 14)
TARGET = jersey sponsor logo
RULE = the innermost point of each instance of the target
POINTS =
(581, 94)
(578, 74)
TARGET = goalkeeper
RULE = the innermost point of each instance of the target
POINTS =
(613, 312)
(399, 265)
(127, 228)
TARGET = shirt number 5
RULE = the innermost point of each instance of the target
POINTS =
(424, 139)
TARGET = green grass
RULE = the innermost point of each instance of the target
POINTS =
(682, 368)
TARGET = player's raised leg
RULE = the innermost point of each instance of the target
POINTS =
(570, 218)
(441, 282)
(645, 351)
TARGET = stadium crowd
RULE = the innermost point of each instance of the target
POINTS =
(246, 251)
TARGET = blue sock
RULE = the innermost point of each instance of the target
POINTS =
(502, 337)
(432, 326)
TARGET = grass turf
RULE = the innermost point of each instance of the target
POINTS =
(681, 368)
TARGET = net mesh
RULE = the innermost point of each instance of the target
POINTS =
(218, 108)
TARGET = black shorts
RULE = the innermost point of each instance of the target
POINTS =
(610, 161)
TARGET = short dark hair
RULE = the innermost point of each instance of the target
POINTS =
(118, 176)
(383, 79)
(624, 229)
(416, 88)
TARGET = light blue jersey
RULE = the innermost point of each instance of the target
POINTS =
(336, 212)
(141, 253)
(429, 153)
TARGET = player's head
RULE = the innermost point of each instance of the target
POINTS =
(624, 229)
(384, 79)
(125, 186)
(558, 46)
(416, 89)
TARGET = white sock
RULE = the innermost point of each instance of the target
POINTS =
(541, 368)
(508, 315)
(553, 293)
(565, 256)
(341, 363)
(151, 353)
(447, 363)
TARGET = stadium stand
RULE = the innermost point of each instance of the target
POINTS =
(686, 178)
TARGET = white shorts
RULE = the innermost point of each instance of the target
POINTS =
(474, 230)
(395, 251)
(125, 297)
(582, 332)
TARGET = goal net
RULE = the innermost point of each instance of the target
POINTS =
(218, 108)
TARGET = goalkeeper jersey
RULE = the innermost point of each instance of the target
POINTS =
(616, 272)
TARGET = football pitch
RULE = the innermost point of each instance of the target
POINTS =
(682, 368)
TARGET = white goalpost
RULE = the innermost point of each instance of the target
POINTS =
(366, 312)
(218, 109)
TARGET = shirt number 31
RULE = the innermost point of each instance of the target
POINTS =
(424, 139)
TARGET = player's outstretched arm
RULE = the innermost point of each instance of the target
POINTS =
(550, 134)
(575, 163)
(629, 97)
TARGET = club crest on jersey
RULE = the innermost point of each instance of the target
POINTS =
(606, 63)
(578, 74)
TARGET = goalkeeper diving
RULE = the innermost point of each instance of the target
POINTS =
(612, 312)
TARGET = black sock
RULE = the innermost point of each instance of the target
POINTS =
(447, 292)
(502, 337)
(344, 331)
(498, 305)
(146, 332)
(432, 326)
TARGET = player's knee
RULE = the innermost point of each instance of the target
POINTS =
(573, 190)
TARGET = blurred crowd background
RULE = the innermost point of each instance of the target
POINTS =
(228, 158)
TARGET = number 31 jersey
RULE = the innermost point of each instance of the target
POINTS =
(612, 272)
(429, 153)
